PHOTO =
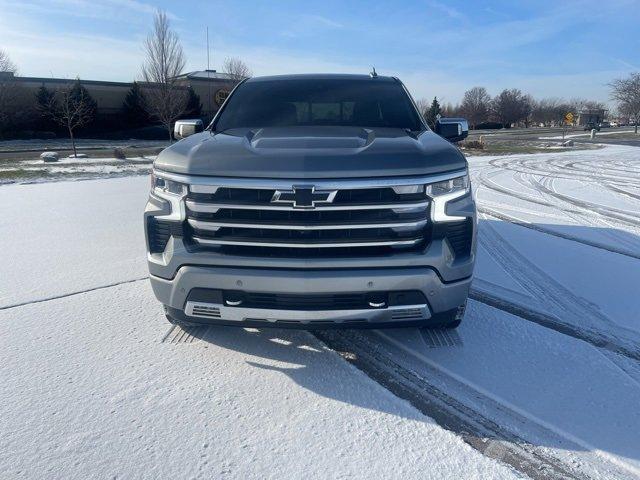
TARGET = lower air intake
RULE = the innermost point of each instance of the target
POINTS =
(206, 311)
(408, 314)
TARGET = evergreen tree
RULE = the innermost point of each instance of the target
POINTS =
(433, 113)
(194, 106)
(133, 107)
(80, 96)
(45, 101)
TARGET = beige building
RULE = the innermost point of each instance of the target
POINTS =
(591, 115)
(211, 86)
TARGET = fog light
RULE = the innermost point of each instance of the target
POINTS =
(377, 300)
(233, 299)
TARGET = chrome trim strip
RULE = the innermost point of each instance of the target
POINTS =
(205, 225)
(306, 316)
(284, 184)
(214, 207)
(213, 241)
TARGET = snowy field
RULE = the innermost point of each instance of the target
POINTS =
(68, 168)
(81, 143)
(577, 135)
(542, 379)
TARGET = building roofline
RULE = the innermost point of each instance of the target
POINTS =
(71, 80)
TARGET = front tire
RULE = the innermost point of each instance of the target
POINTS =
(453, 324)
(451, 319)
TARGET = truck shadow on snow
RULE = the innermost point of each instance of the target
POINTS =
(316, 367)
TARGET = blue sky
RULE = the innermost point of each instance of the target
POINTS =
(546, 48)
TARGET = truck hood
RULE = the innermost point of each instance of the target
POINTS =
(311, 152)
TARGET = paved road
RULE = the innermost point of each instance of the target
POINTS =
(532, 134)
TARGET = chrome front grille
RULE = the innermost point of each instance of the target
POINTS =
(357, 216)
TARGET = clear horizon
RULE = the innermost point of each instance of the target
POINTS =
(437, 48)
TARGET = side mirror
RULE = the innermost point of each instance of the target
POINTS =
(184, 128)
(453, 129)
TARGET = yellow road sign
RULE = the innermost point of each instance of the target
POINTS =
(569, 117)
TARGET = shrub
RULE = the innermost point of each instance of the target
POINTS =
(119, 153)
(475, 144)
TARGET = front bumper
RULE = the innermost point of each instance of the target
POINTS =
(440, 297)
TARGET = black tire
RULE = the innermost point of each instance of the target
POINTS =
(451, 319)
(453, 325)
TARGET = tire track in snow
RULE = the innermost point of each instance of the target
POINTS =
(533, 226)
(622, 216)
(585, 321)
(476, 429)
(546, 187)
(598, 339)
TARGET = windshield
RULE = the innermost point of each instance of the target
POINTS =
(304, 102)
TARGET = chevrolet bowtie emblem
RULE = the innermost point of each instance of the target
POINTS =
(303, 196)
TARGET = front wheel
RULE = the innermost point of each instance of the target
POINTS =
(451, 319)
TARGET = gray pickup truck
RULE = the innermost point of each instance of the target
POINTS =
(313, 201)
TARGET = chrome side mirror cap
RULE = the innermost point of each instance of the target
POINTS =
(184, 128)
(453, 129)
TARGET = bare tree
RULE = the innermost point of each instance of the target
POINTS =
(543, 111)
(626, 91)
(164, 61)
(584, 104)
(423, 106)
(450, 110)
(6, 65)
(551, 111)
(476, 105)
(70, 107)
(526, 107)
(236, 68)
(511, 106)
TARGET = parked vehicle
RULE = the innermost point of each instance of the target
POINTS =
(591, 126)
(313, 201)
(605, 125)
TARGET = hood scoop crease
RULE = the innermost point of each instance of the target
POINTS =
(318, 138)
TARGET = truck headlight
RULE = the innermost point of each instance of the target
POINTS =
(443, 192)
(162, 186)
(171, 192)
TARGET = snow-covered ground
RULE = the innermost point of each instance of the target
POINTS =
(544, 371)
(39, 171)
(576, 135)
(81, 143)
